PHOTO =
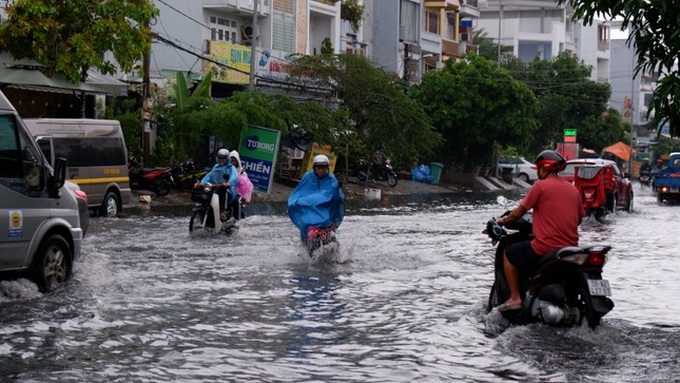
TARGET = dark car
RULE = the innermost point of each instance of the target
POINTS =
(617, 185)
(83, 209)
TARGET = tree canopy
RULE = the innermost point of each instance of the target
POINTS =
(69, 37)
(568, 100)
(380, 112)
(655, 37)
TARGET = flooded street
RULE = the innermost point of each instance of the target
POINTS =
(406, 302)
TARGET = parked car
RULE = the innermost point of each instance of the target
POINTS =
(83, 209)
(521, 168)
(617, 185)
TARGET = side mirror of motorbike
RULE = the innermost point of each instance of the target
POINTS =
(502, 200)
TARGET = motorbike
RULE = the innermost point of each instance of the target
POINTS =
(378, 172)
(645, 178)
(158, 180)
(206, 214)
(564, 288)
(185, 175)
(320, 241)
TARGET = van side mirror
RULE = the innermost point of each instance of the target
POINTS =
(60, 173)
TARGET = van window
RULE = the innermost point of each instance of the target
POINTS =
(19, 158)
(92, 151)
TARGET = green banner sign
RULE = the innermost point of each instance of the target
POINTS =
(258, 149)
(570, 132)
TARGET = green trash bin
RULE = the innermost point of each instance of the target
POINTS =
(436, 171)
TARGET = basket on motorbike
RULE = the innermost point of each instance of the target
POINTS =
(590, 182)
(199, 196)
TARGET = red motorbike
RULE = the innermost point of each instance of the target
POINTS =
(158, 180)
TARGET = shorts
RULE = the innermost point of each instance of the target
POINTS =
(521, 254)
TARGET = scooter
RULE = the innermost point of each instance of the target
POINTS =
(321, 241)
(645, 178)
(206, 214)
(158, 180)
(185, 175)
(563, 289)
(377, 172)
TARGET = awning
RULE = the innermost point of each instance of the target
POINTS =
(26, 74)
(619, 149)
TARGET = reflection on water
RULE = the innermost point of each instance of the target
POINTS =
(150, 303)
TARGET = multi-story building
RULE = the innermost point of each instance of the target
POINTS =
(408, 37)
(543, 29)
(196, 37)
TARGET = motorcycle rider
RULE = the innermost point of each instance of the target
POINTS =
(658, 168)
(225, 175)
(558, 211)
(645, 168)
(318, 188)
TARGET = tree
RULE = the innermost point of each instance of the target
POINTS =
(69, 37)
(381, 113)
(656, 40)
(476, 106)
(352, 11)
(487, 48)
(568, 99)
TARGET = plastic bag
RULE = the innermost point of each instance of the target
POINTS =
(421, 174)
(244, 187)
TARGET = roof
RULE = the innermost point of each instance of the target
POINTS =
(27, 74)
(619, 149)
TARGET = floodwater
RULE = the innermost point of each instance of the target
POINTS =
(405, 302)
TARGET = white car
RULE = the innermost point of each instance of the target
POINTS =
(521, 168)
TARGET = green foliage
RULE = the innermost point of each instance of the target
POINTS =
(327, 47)
(69, 37)
(487, 48)
(568, 99)
(598, 132)
(381, 114)
(352, 11)
(664, 146)
(656, 40)
(476, 105)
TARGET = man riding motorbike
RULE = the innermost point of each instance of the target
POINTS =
(558, 211)
(318, 200)
(225, 175)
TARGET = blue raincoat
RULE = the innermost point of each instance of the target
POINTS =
(217, 176)
(316, 202)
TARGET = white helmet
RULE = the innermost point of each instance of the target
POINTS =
(320, 159)
(223, 153)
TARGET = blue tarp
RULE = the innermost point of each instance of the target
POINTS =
(316, 203)
(422, 174)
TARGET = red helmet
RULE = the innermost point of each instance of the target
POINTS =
(659, 161)
(551, 161)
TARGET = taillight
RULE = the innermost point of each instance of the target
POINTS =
(82, 195)
(596, 259)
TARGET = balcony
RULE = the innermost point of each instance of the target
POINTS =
(449, 5)
(450, 48)
(469, 8)
(238, 7)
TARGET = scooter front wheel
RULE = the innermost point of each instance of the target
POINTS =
(196, 221)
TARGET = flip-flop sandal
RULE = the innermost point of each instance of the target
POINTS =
(504, 307)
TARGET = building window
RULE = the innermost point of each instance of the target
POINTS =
(283, 21)
(222, 29)
(432, 22)
(409, 18)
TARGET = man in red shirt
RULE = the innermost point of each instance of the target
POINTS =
(558, 211)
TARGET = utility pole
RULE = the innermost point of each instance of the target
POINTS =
(253, 43)
(146, 101)
(500, 20)
(407, 60)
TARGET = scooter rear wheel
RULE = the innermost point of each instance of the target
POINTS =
(585, 306)
(196, 221)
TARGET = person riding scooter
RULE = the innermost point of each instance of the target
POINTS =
(224, 174)
(558, 211)
(318, 200)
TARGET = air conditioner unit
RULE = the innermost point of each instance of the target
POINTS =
(464, 37)
(246, 33)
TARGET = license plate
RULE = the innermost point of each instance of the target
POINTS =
(599, 287)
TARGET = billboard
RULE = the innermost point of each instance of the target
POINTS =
(258, 150)
(318, 149)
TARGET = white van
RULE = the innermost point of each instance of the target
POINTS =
(40, 229)
(96, 154)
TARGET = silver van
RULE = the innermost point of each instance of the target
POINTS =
(96, 154)
(41, 233)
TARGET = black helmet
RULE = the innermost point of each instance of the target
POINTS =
(550, 160)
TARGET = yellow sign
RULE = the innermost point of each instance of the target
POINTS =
(319, 149)
(235, 57)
